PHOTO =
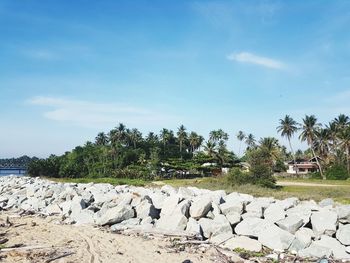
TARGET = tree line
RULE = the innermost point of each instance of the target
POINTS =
(124, 152)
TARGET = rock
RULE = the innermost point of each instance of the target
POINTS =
(174, 222)
(169, 190)
(193, 227)
(169, 205)
(343, 212)
(288, 202)
(302, 239)
(347, 249)
(290, 223)
(53, 209)
(253, 226)
(186, 193)
(258, 206)
(200, 207)
(83, 217)
(243, 198)
(231, 206)
(275, 238)
(234, 218)
(158, 200)
(215, 209)
(324, 222)
(127, 224)
(214, 227)
(301, 210)
(274, 212)
(145, 209)
(343, 234)
(221, 238)
(315, 251)
(116, 215)
(338, 250)
(326, 202)
(243, 242)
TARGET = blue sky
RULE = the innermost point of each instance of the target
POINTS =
(69, 69)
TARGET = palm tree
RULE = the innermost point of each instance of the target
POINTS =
(210, 148)
(332, 130)
(322, 142)
(342, 121)
(135, 136)
(165, 137)
(240, 136)
(101, 139)
(195, 141)
(308, 134)
(271, 146)
(344, 136)
(152, 138)
(287, 128)
(181, 136)
(250, 141)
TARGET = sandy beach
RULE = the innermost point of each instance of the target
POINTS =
(44, 239)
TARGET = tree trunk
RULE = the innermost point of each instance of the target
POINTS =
(318, 163)
(348, 160)
(295, 163)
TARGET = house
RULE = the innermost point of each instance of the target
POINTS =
(302, 166)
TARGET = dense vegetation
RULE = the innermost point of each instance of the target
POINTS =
(21, 162)
(126, 153)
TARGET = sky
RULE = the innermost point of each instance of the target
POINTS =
(70, 69)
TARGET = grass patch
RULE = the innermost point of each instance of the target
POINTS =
(105, 180)
(340, 194)
(316, 181)
(247, 254)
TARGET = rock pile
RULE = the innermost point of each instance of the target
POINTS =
(305, 228)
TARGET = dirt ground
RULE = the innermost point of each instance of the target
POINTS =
(42, 239)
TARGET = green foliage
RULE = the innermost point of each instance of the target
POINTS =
(261, 164)
(315, 175)
(337, 172)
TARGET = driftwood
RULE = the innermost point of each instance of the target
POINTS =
(24, 248)
(157, 232)
(60, 256)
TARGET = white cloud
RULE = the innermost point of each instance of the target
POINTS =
(91, 114)
(246, 57)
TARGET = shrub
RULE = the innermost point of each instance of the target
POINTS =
(315, 175)
(337, 172)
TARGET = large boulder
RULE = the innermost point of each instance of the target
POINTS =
(274, 212)
(116, 215)
(343, 234)
(145, 209)
(324, 222)
(252, 226)
(193, 227)
(315, 251)
(328, 202)
(234, 218)
(214, 227)
(338, 250)
(200, 207)
(169, 204)
(173, 222)
(303, 238)
(275, 238)
(243, 242)
(343, 212)
(232, 205)
(243, 198)
(290, 223)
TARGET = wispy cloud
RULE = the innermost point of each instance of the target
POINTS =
(92, 114)
(246, 57)
(41, 54)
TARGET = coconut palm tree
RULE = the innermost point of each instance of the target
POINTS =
(181, 136)
(322, 143)
(308, 134)
(101, 139)
(240, 136)
(342, 121)
(195, 141)
(250, 141)
(135, 136)
(271, 146)
(332, 130)
(288, 127)
(164, 137)
(210, 148)
(344, 136)
(152, 138)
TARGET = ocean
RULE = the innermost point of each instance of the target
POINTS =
(12, 171)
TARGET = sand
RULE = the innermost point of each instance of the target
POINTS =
(50, 239)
